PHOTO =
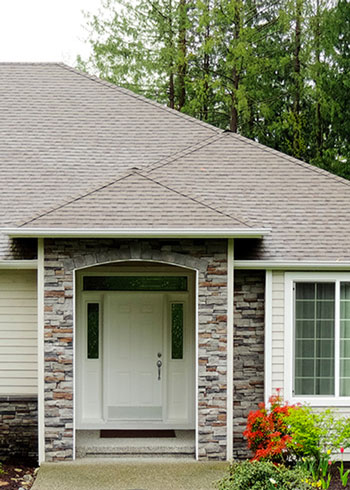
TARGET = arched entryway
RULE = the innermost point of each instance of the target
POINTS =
(135, 347)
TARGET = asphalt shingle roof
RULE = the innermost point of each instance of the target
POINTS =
(76, 151)
(139, 200)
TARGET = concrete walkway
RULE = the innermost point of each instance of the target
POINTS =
(123, 474)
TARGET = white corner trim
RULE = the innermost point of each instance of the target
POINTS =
(136, 233)
(230, 348)
(41, 346)
(268, 335)
(292, 265)
(74, 387)
(196, 417)
(18, 264)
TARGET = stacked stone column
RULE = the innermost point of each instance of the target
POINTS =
(62, 257)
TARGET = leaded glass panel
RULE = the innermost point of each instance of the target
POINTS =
(177, 330)
(93, 319)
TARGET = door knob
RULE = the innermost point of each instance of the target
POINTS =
(159, 365)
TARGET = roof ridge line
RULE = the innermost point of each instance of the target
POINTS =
(74, 199)
(123, 175)
(168, 160)
(132, 94)
(296, 161)
(197, 201)
(30, 63)
(187, 151)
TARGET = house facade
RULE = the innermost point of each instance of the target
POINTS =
(157, 273)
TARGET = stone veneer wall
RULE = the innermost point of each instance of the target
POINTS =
(249, 324)
(18, 427)
(62, 257)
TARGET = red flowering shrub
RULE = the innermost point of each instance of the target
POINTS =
(267, 432)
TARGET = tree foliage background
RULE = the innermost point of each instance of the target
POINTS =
(277, 71)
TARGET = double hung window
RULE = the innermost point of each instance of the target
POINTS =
(320, 311)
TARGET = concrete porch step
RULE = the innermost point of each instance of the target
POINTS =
(90, 445)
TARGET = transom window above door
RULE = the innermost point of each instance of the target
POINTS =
(135, 283)
(320, 343)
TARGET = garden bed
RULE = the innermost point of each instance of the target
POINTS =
(17, 475)
(293, 447)
(335, 482)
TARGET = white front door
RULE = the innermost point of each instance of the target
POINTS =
(121, 337)
(133, 345)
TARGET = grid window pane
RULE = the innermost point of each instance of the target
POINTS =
(325, 349)
(345, 328)
(345, 386)
(325, 290)
(344, 339)
(305, 290)
(325, 386)
(325, 310)
(304, 386)
(314, 338)
(345, 309)
(345, 349)
(304, 329)
(305, 348)
(304, 367)
(325, 367)
(305, 310)
(345, 290)
(325, 329)
(345, 365)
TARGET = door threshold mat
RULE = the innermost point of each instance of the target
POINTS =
(137, 433)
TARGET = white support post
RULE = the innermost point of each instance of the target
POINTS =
(268, 335)
(197, 367)
(230, 333)
(41, 403)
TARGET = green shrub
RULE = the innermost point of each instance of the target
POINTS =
(263, 475)
(314, 433)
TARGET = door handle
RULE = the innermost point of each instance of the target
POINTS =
(159, 365)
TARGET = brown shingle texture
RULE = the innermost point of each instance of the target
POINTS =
(138, 200)
(307, 208)
(64, 135)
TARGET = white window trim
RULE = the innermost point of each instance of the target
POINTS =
(290, 279)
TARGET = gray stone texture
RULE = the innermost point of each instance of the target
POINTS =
(62, 257)
(18, 428)
(249, 324)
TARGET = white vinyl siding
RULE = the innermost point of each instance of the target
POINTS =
(18, 332)
(277, 331)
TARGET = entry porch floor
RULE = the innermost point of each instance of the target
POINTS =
(90, 444)
(91, 474)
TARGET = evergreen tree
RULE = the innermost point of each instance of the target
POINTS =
(276, 70)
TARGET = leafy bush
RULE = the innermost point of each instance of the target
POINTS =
(315, 433)
(286, 433)
(263, 475)
(267, 431)
(299, 437)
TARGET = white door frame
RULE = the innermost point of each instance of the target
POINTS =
(192, 302)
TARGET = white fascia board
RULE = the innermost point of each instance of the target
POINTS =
(136, 233)
(292, 265)
(18, 264)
